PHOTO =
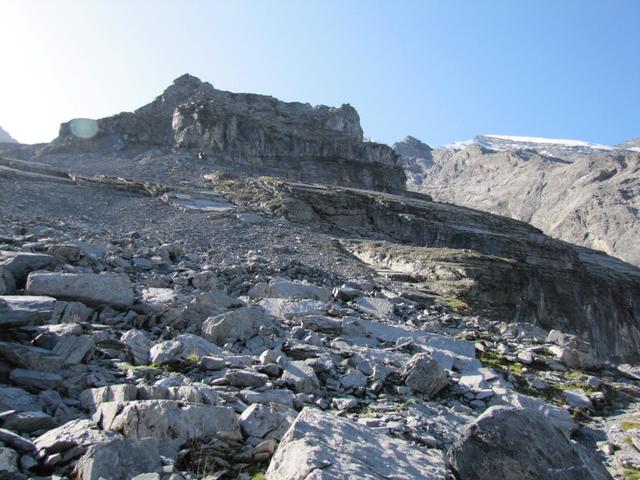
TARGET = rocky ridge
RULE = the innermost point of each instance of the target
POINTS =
(583, 195)
(256, 133)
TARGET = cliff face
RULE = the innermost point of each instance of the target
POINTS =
(584, 196)
(292, 140)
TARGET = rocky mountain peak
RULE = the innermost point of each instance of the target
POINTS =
(412, 147)
(293, 140)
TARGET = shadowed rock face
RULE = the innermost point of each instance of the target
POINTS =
(581, 195)
(291, 140)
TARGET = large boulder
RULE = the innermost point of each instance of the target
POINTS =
(110, 289)
(322, 446)
(119, 459)
(514, 444)
(167, 421)
(241, 324)
(300, 377)
(424, 375)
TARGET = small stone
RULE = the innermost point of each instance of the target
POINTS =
(525, 357)
(577, 399)
(212, 363)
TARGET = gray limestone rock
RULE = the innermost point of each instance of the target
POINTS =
(35, 380)
(29, 421)
(424, 375)
(119, 459)
(19, 264)
(185, 347)
(13, 398)
(139, 345)
(167, 421)
(281, 288)
(25, 310)
(513, 444)
(110, 289)
(300, 377)
(241, 324)
(322, 446)
(76, 433)
(8, 463)
(266, 421)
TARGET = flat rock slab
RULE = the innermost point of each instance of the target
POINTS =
(18, 310)
(322, 446)
(198, 201)
(76, 433)
(91, 288)
(21, 263)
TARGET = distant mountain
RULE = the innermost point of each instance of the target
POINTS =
(5, 137)
(580, 192)
(633, 144)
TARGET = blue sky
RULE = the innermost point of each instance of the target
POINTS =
(438, 70)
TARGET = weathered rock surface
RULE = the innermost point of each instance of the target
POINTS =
(509, 444)
(169, 422)
(119, 459)
(109, 289)
(423, 375)
(241, 324)
(25, 310)
(322, 446)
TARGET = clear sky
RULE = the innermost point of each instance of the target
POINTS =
(441, 70)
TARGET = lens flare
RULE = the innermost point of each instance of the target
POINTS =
(84, 127)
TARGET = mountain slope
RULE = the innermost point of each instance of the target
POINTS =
(584, 194)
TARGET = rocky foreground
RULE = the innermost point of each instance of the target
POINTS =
(244, 352)
(167, 313)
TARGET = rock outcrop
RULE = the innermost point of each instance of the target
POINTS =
(5, 137)
(257, 132)
(580, 194)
